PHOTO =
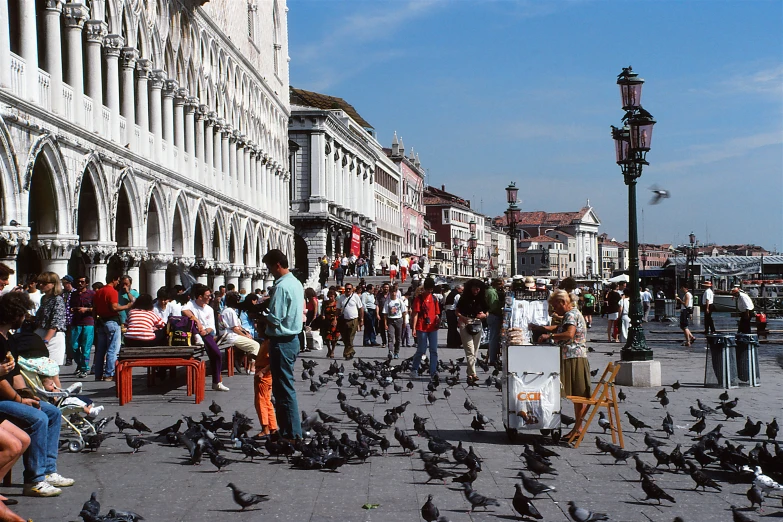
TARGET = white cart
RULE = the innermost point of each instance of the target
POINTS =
(532, 369)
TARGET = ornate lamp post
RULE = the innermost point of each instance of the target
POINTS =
(455, 248)
(692, 259)
(632, 142)
(472, 244)
(512, 218)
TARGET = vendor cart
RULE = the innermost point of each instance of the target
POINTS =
(532, 398)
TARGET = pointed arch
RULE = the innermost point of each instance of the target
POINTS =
(202, 232)
(45, 149)
(10, 179)
(156, 217)
(236, 237)
(219, 245)
(128, 189)
(182, 229)
(93, 178)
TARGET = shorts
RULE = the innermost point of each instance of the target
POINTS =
(588, 310)
(613, 317)
(685, 316)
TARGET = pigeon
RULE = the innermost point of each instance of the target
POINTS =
(755, 495)
(174, 428)
(620, 454)
(668, 425)
(697, 413)
(313, 386)
(750, 429)
(385, 445)
(698, 427)
(523, 505)
(478, 500)
(123, 516)
(476, 424)
(654, 492)
(92, 506)
(245, 500)
(676, 385)
(723, 397)
(219, 461)
(739, 516)
(121, 423)
(636, 423)
(446, 393)
(215, 408)
(140, 426)
(533, 486)
(469, 477)
(621, 396)
(431, 397)
(583, 515)
(603, 422)
(325, 417)
(701, 479)
(603, 446)
(135, 443)
(772, 429)
(658, 195)
(652, 442)
(661, 457)
(459, 453)
(537, 467)
(410, 385)
(643, 468)
(566, 420)
(765, 483)
(429, 511)
(468, 405)
(664, 401)
(704, 407)
(436, 473)
(661, 394)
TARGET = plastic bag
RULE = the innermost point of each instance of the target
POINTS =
(531, 400)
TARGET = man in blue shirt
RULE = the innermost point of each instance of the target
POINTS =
(283, 325)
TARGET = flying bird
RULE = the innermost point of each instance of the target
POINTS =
(658, 195)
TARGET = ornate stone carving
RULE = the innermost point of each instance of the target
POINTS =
(53, 5)
(191, 103)
(95, 30)
(181, 96)
(158, 260)
(132, 256)
(221, 267)
(112, 45)
(186, 261)
(75, 15)
(128, 57)
(143, 68)
(99, 253)
(54, 246)
(203, 263)
(157, 78)
(170, 88)
(12, 239)
(328, 148)
(234, 270)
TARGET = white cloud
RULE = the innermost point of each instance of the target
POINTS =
(767, 81)
(731, 148)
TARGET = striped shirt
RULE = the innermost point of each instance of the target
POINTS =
(142, 324)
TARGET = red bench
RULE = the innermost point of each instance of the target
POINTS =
(159, 357)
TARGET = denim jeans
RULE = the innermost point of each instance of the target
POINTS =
(108, 336)
(495, 322)
(369, 327)
(282, 357)
(81, 341)
(43, 426)
(423, 339)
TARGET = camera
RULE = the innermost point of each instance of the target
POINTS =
(427, 321)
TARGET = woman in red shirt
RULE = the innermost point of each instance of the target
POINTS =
(144, 327)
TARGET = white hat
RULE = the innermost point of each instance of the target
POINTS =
(541, 282)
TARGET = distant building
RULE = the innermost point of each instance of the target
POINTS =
(414, 241)
(388, 206)
(543, 256)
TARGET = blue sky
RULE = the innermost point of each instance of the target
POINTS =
(494, 91)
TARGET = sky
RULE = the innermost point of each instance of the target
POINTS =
(493, 91)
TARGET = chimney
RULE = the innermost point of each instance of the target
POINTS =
(443, 188)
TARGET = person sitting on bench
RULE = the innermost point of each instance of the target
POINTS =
(144, 326)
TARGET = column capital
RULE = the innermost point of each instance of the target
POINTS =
(55, 246)
(129, 56)
(75, 15)
(226, 129)
(234, 270)
(112, 45)
(158, 260)
(53, 5)
(158, 78)
(191, 104)
(143, 68)
(12, 239)
(181, 96)
(170, 88)
(203, 263)
(132, 256)
(98, 252)
(96, 30)
(211, 116)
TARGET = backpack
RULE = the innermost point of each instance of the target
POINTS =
(180, 330)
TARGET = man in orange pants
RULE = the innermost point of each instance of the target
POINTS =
(263, 391)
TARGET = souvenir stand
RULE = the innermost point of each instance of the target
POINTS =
(532, 398)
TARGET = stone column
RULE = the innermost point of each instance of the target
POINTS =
(217, 151)
(112, 46)
(54, 53)
(252, 153)
(169, 89)
(132, 257)
(232, 275)
(128, 108)
(11, 240)
(143, 69)
(219, 278)
(190, 136)
(201, 268)
(55, 251)
(200, 115)
(225, 133)
(245, 279)
(209, 144)
(231, 186)
(258, 279)
(180, 98)
(5, 49)
(156, 265)
(96, 32)
(75, 15)
(241, 192)
(248, 192)
(157, 79)
(98, 254)
(29, 48)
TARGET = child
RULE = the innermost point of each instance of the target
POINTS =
(263, 391)
(78, 401)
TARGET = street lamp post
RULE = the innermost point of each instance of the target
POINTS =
(512, 218)
(692, 259)
(632, 142)
(455, 248)
(472, 243)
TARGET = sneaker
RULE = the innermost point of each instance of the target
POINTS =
(42, 489)
(57, 480)
(220, 387)
(108, 378)
(396, 356)
(74, 388)
(96, 410)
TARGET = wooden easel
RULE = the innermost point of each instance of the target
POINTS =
(601, 397)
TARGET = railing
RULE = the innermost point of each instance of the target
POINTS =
(124, 132)
(17, 75)
(89, 121)
(137, 143)
(106, 130)
(68, 102)
(44, 90)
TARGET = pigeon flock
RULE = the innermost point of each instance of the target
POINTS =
(707, 449)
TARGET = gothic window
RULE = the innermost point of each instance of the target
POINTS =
(276, 38)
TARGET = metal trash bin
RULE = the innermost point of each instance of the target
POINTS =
(720, 368)
(747, 359)
(665, 308)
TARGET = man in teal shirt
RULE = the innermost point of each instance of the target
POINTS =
(283, 326)
(496, 301)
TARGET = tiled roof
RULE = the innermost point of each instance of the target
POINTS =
(546, 218)
(322, 101)
(540, 239)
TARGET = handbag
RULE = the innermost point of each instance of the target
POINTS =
(474, 328)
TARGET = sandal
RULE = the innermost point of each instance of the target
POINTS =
(685, 343)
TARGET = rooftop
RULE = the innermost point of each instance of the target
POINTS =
(325, 102)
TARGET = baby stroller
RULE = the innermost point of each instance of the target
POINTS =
(76, 427)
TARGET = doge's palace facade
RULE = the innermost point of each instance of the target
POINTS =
(149, 135)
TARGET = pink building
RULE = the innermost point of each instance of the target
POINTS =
(414, 240)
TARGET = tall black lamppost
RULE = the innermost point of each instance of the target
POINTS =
(632, 142)
(472, 244)
(692, 259)
(512, 218)
(455, 249)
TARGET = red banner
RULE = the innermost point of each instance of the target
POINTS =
(356, 234)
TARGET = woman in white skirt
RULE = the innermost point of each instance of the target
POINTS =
(50, 319)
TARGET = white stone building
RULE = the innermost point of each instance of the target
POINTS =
(388, 207)
(147, 135)
(333, 169)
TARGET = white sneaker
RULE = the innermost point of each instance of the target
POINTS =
(96, 410)
(57, 480)
(220, 387)
(42, 489)
(74, 388)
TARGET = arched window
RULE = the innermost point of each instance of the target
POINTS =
(276, 38)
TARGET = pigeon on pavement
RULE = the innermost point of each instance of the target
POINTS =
(583, 515)
(245, 500)
(524, 505)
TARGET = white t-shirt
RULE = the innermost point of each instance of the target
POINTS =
(709, 297)
(350, 306)
(35, 297)
(228, 321)
(394, 308)
(404, 262)
(393, 268)
(744, 302)
(405, 315)
(646, 296)
(205, 315)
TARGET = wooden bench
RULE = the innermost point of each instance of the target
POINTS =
(159, 357)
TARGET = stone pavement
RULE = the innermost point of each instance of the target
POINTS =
(156, 484)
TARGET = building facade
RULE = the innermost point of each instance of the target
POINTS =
(414, 240)
(333, 190)
(388, 207)
(138, 134)
(544, 257)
